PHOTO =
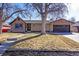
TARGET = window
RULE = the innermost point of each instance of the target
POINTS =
(18, 26)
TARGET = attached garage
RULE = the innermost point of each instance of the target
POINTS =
(61, 28)
(62, 25)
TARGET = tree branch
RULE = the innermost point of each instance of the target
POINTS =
(13, 14)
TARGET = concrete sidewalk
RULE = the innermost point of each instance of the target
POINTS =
(5, 46)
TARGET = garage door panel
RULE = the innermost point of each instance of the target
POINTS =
(61, 28)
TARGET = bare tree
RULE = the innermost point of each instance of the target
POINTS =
(44, 9)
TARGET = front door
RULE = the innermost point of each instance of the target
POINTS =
(28, 27)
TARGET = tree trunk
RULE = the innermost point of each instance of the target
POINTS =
(0, 27)
(43, 30)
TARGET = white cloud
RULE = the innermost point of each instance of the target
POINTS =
(74, 10)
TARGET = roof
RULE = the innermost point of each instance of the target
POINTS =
(76, 24)
(30, 21)
(63, 19)
(6, 24)
(38, 21)
(17, 18)
(35, 21)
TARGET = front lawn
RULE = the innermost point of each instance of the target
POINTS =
(48, 42)
(4, 36)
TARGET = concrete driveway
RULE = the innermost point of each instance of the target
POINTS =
(73, 36)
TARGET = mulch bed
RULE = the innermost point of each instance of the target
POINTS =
(40, 53)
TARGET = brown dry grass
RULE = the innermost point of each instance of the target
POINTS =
(49, 42)
(4, 36)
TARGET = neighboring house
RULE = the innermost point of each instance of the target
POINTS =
(76, 26)
(61, 25)
(6, 27)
